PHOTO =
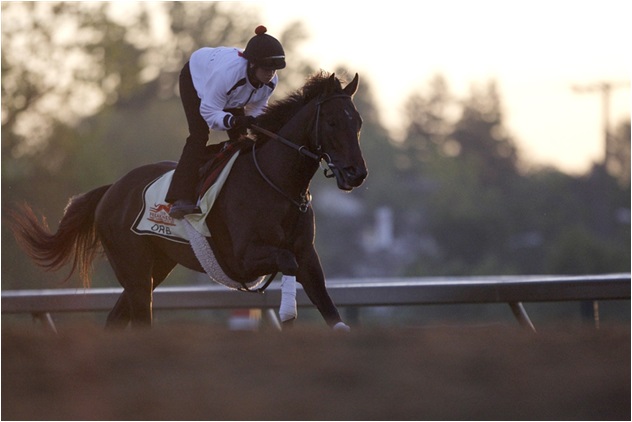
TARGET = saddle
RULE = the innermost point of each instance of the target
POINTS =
(216, 157)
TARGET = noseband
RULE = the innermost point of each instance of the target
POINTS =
(329, 171)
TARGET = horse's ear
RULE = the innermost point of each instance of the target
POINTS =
(331, 83)
(353, 86)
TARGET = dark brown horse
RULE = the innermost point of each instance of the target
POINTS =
(261, 221)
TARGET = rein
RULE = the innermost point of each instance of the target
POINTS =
(329, 172)
(301, 149)
(306, 198)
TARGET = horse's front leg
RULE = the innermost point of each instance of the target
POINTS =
(262, 258)
(267, 259)
(310, 275)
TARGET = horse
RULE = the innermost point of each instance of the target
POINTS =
(262, 221)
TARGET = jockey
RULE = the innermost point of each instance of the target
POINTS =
(221, 88)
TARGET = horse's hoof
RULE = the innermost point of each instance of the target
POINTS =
(288, 323)
(342, 327)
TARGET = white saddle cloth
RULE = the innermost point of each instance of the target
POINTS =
(154, 219)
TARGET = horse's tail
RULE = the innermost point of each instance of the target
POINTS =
(76, 238)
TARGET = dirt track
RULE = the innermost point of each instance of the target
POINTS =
(206, 372)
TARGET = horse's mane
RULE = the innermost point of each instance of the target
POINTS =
(277, 114)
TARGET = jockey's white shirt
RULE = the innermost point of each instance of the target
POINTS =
(220, 79)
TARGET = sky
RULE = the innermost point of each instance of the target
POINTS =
(536, 51)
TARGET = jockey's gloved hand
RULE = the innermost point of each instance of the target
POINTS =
(242, 121)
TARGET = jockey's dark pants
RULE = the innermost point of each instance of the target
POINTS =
(185, 178)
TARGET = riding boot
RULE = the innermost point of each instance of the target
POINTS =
(182, 194)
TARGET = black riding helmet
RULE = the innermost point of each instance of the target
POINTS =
(264, 50)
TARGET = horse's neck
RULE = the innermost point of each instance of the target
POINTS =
(285, 166)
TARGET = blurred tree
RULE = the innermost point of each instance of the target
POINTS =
(481, 140)
(462, 171)
(428, 127)
(60, 63)
(578, 251)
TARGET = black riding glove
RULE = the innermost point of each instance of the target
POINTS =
(242, 121)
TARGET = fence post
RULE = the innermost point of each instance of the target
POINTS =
(46, 319)
(521, 314)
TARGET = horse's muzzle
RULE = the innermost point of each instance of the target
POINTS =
(351, 177)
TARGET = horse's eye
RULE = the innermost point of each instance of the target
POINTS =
(331, 122)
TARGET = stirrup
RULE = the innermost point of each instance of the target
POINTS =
(180, 208)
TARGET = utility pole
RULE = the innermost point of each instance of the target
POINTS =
(605, 88)
(600, 202)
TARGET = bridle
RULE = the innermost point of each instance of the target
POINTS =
(330, 171)
(316, 136)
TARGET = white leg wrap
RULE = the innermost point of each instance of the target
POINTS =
(342, 327)
(287, 311)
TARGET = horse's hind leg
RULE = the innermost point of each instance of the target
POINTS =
(132, 263)
(135, 303)
(121, 315)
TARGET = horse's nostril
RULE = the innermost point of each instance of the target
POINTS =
(355, 174)
(350, 171)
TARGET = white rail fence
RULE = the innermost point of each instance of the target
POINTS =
(513, 290)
